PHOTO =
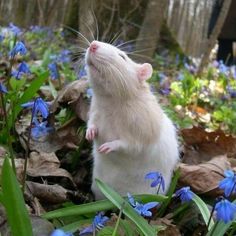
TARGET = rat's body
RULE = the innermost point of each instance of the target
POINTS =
(132, 135)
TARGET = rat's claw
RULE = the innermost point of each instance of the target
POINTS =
(91, 133)
(107, 147)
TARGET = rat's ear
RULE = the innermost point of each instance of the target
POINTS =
(144, 72)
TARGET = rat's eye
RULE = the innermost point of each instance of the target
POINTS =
(122, 56)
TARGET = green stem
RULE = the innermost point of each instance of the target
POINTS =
(118, 220)
(212, 211)
(213, 229)
(9, 143)
(27, 149)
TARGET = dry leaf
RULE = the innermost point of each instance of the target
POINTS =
(48, 193)
(204, 178)
(46, 164)
(201, 146)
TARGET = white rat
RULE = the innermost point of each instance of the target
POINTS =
(131, 133)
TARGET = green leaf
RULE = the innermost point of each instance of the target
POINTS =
(94, 207)
(76, 225)
(13, 200)
(126, 226)
(106, 231)
(170, 193)
(118, 201)
(17, 84)
(28, 94)
(204, 210)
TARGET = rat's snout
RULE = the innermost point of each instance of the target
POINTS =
(93, 46)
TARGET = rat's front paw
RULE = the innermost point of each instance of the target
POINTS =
(91, 132)
(108, 147)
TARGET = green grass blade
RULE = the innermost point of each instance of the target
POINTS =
(118, 201)
(204, 210)
(94, 207)
(76, 225)
(17, 214)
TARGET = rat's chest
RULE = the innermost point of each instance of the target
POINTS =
(111, 123)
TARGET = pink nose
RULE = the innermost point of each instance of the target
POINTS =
(93, 47)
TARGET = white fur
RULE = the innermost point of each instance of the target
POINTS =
(126, 121)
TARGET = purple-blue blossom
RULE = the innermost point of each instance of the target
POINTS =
(53, 69)
(1, 38)
(89, 92)
(225, 210)
(3, 89)
(18, 49)
(98, 223)
(185, 194)
(157, 179)
(228, 184)
(142, 209)
(64, 56)
(223, 68)
(38, 106)
(40, 129)
(36, 29)
(23, 68)
(60, 232)
(14, 29)
(82, 72)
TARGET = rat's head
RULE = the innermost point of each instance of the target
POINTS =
(112, 72)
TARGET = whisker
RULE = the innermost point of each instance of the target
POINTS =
(90, 30)
(78, 33)
(96, 21)
(133, 40)
(115, 37)
(141, 50)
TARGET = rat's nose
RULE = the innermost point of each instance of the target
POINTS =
(93, 47)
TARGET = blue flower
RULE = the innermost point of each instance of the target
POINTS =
(157, 179)
(191, 68)
(82, 72)
(40, 129)
(23, 68)
(1, 38)
(228, 184)
(185, 194)
(38, 106)
(98, 223)
(225, 210)
(180, 76)
(3, 89)
(64, 56)
(14, 29)
(141, 209)
(223, 68)
(165, 91)
(36, 29)
(131, 200)
(18, 49)
(59, 232)
(53, 70)
(89, 93)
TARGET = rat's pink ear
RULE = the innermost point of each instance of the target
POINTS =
(144, 71)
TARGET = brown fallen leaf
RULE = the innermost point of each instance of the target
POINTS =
(204, 178)
(169, 229)
(54, 194)
(70, 93)
(201, 146)
(46, 164)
